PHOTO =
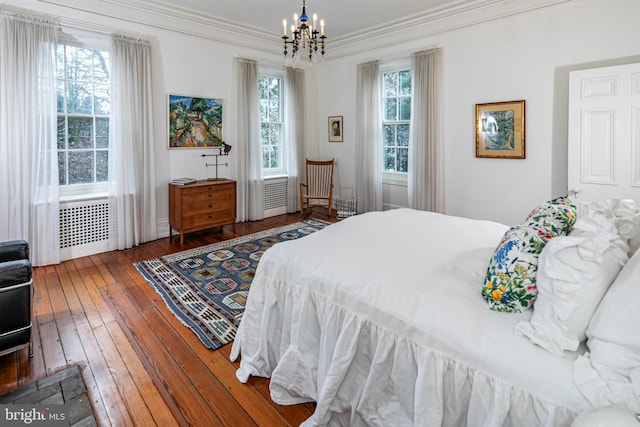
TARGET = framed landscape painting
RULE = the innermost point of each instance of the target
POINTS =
(500, 130)
(194, 122)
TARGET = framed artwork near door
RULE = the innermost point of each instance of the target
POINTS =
(500, 130)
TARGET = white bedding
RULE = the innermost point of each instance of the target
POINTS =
(380, 320)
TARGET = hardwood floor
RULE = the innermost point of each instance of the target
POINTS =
(141, 365)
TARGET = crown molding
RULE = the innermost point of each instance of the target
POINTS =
(168, 17)
(165, 17)
(434, 22)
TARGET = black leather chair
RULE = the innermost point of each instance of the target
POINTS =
(16, 290)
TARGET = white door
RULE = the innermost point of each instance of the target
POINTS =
(604, 133)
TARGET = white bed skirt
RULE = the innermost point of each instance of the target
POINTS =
(316, 345)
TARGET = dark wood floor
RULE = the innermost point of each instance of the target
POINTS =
(141, 365)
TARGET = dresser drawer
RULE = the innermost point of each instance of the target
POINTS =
(208, 219)
(205, 200)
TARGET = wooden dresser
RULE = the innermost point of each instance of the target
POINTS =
(205, 204)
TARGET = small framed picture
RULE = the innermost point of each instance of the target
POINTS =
(335, 129)
(500, 130)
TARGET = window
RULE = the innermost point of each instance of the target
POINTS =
(396, 120)
(270, 89)
(83, 102)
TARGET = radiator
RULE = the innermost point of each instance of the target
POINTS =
(85, 228)
(275, 196)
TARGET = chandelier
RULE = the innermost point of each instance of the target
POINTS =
(305, 39)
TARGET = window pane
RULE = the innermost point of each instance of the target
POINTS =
(100, 67)
(275, 157)
(403, 135)
(389, 132)
(79, 97)
(263, 87)
(79, 63)
(61, 133)
(404, 83)
(402, 160)
(60, 62)
(404, 107)
(390, 109)
(274, 134)
(102, 132)
(80, 167)
(60, 96)
(390, 84)
(264, 110)
(62, 168)
(80, 132)
(101, 99)
(389, 159)
(274, 110)
(102, 166)
(265, 156)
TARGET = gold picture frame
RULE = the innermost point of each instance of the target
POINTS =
(500, 130)
(335, 129)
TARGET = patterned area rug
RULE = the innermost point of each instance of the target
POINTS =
(207, 287)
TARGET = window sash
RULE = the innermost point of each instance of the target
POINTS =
(396, 120)
(272, 125)
(83, 119)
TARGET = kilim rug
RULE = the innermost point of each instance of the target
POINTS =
(207, 287)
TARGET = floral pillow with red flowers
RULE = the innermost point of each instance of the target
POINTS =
(510, 282)
(556, 216)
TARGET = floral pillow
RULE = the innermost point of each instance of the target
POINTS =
(510, 283)
(556, 216)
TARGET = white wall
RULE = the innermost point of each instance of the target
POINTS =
(523, 56)
(520, 56)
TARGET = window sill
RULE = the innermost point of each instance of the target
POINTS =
(399, 179)
(83, 197)
(279, 176)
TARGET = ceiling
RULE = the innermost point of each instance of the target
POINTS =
(342, 17)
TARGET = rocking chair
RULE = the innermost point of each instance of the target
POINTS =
(318, 190)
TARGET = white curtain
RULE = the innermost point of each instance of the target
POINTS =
(425, 181)
(294, 93)
(29, 205)
(250, 179)
(368, 138)
(132, 188)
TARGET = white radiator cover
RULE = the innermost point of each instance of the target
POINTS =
(275, 197)
(85, 228)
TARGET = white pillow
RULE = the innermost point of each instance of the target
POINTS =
(610, 372)
(574, 272)
(625, 216)
(634, 242)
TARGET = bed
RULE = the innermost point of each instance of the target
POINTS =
(380, 320)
